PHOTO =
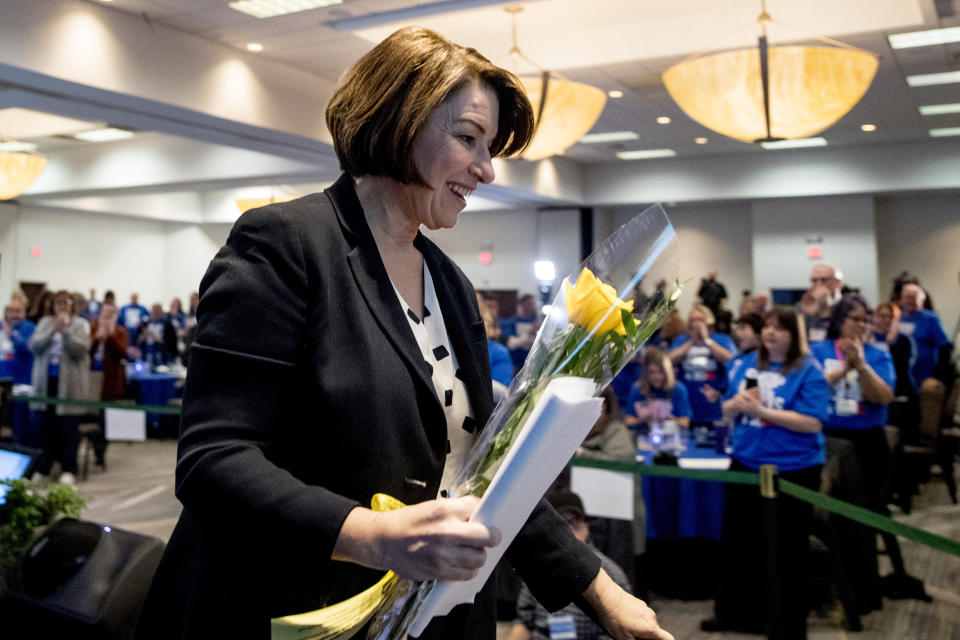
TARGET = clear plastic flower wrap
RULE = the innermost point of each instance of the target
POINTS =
(601, 315)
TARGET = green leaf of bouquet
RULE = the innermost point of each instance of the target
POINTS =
(628, 323)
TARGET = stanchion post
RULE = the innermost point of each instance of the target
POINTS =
(768, 501)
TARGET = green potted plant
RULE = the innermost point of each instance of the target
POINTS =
(29, 507)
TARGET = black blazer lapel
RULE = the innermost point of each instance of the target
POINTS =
(464, 328)
(373, 282)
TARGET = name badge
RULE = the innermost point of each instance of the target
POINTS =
(847, 407)
(562, 628)
(817, 335)
(906, 328)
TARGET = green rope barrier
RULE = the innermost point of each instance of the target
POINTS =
(101, 404)
(817, 499)
(870, 518)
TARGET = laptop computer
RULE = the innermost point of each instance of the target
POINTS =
(16, 461)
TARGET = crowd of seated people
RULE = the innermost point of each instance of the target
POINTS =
(61, 347)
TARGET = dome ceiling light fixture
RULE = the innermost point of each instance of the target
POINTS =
(563, 110)
(18, 169)
(771, 93)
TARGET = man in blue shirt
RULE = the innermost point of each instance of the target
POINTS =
(930, 348)
(132, 315)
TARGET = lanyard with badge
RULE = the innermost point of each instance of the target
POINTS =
(847, 389)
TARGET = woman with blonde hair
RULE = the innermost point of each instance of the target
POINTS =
(657, 396)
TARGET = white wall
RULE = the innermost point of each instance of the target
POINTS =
(782, 228)
(921, 234)
(516, 239)
(81, 250)
(187, 253)
(712, 237)
(158, 260)
(9, 220)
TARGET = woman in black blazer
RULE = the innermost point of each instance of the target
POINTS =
(311, 385)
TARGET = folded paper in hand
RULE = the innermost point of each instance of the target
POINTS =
(560, 421)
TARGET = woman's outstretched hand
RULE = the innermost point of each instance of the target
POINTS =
(426, 541)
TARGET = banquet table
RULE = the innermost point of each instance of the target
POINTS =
(684, 508)
(154, 388)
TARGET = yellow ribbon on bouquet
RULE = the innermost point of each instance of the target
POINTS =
(342, 620)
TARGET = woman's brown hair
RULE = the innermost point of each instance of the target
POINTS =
(383, 102)
(786, 318)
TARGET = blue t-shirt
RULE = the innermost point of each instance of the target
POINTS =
(700, 368)
(623, 383)
(734, 363)
(803, 390)
(848, 409)
(16, 359)
(926, 336)
(679, 400)
(130, 317)
(501, 365)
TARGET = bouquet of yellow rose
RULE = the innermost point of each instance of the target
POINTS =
(601, 316)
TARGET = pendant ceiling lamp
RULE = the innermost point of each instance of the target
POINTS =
(771, 93)
(563, 110)
(19, 170)
(245, 204)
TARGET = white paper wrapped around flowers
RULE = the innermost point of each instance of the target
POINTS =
(559, 422)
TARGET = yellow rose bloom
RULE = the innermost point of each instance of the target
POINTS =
(590, 299)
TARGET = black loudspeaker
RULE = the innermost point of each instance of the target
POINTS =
(85, 579)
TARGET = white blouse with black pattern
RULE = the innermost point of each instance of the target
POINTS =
(431, 334)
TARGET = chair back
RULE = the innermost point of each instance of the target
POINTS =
(931, 410)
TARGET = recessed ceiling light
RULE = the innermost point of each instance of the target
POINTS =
(611, 136)
(925, 38)
(256, 47)
(616, 93)
(927, 79)
(271, 8)
(663, 120)
(943, 133)
(939, 109)
(701, 140)
(794, 144)
(103, 135)
(646, 154)
(868, 127)
(16, 146)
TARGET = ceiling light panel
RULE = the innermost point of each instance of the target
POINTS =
(271, 8)
(646, 154)
(943, 133)
(103, 135)
(794, 144)
(611, 136)
(925, 38)
(17, 146)
(928, 79)
(939, 109)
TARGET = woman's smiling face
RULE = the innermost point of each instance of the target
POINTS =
(452, 154)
